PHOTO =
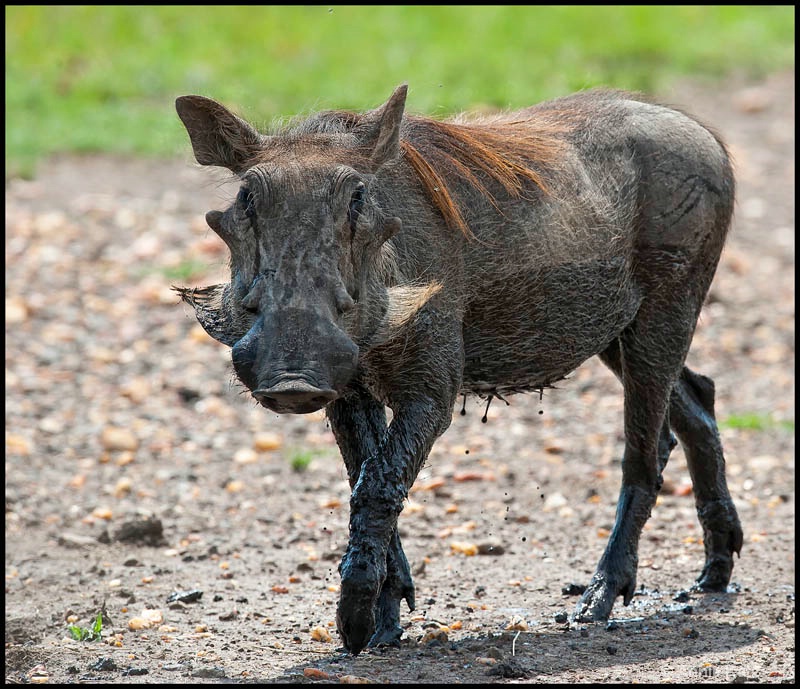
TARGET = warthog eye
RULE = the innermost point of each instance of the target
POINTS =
(245, 198)
(356, 205)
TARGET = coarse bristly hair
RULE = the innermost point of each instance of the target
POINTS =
(506, 151)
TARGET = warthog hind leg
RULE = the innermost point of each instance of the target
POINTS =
(692, 417)
(647, 357)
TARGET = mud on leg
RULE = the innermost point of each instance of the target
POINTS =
(359, 425)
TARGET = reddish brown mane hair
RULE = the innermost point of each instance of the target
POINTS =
(510, 153)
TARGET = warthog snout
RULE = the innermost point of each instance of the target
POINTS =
(294, 361)
(293, 395)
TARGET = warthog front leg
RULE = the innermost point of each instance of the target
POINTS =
(374, 570)
(359, 424)
(397, 586)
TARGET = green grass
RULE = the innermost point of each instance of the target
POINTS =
(85, 634)
(300, 460)
(755, 422)
(104, 78)
(185, 270)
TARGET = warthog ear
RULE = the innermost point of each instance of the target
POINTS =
(218, 136)
(381, 128)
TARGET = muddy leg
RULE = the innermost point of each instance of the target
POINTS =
(397, 586)
(652, 351)
(359, 424)
(692, 417)
(376, 502)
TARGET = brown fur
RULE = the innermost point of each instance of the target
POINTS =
(507, 153)
(503, 150)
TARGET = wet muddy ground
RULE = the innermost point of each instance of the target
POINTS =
(141, 480)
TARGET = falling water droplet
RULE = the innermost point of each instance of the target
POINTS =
(486, 413)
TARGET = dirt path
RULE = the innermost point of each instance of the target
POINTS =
(119, 408)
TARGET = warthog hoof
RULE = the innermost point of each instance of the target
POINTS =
(722, 542)
(715, 575)
(597, 601)
(362, 581)
(355, 616)
(386, 636)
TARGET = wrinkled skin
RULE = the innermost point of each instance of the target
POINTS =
(350, 290)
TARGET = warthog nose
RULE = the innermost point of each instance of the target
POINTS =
(294, 396)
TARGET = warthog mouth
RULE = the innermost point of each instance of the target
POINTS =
(294, 395)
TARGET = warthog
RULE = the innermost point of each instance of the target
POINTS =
(388, 260)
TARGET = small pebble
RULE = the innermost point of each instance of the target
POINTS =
(321, 634)
(114, 438)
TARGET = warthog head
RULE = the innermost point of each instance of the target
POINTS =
(308, 262)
